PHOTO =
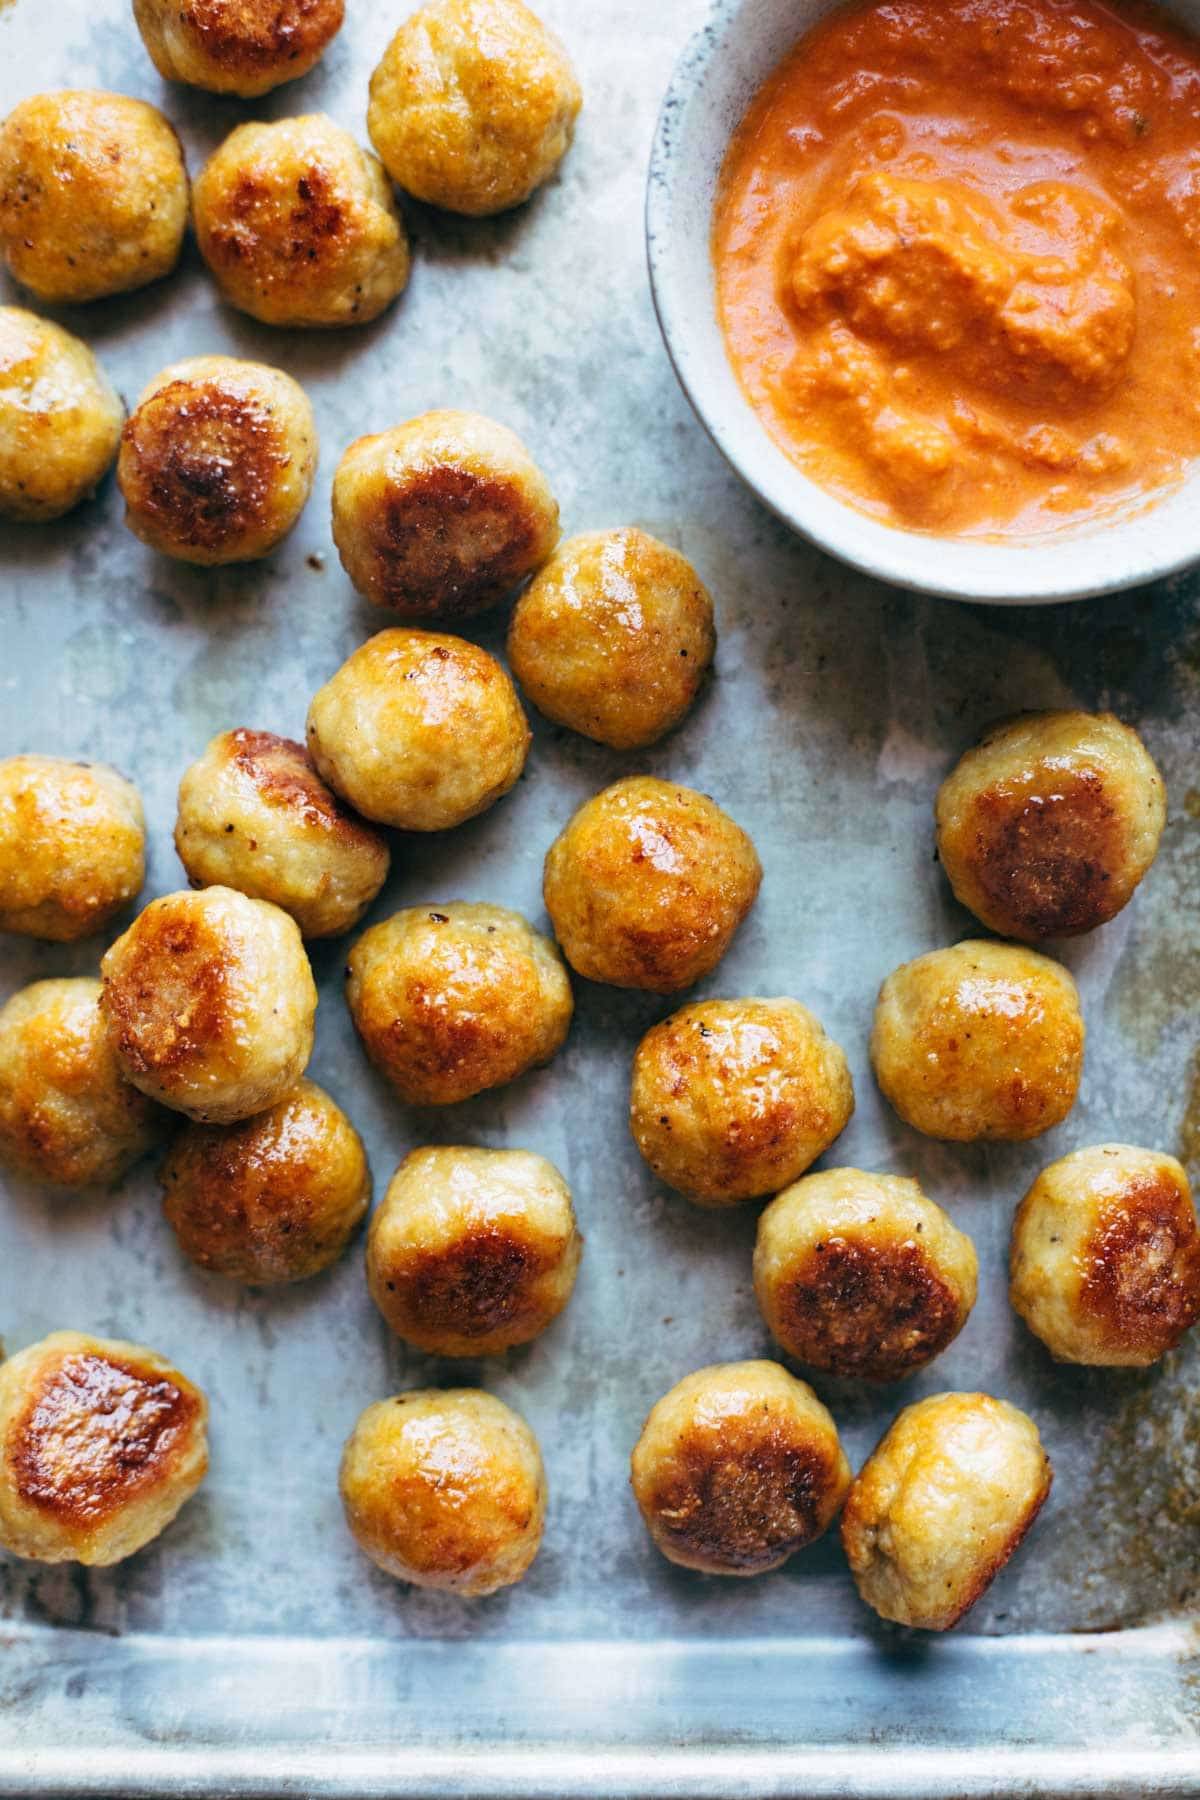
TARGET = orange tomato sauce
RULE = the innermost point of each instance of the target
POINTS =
(957, 250)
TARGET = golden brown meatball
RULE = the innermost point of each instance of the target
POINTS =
(613, 637)
(647, 885)
(737, 1468)
(1046, 827)
(270, 1199)
(419, 730)
(60, 421)
(255, 815)
(732, 1099)
(218, 460)
(441, 517)
(208, 1002)
(72, 846)
(101, 1443)
(93, 194)
(941, 1505)
(473, 1251)
(473, 105)
(1106, 1257)
(298, 225)
(445, 1488)
(861, 1275)
(982, 1040)
(453, 999)
(243, 47)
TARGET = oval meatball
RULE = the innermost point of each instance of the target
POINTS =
(93, 194)
(72, 846)
(732, 1099)
(419, 730)
(445, 1488)
(298, 226)
(218, 460)
(1105, 1259)
(941, 1505)
(861, 1275)
(647, 884)
(255, 815)
(453, 999)
(613, 637)
(101, 1443)
(441, 517)
(60, 420)
(982, 1040)
(1047, 826)
(473, 105)
(243, 47)
(737, 1468)
(473, 1251)
(208, 1002)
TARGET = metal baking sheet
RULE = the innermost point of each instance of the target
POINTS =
(253, 1650)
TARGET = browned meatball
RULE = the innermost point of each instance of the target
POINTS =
(72, 846)
(243, 47)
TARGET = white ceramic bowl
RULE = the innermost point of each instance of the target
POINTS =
(716, 78)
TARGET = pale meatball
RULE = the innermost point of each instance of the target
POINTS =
(101, 1443)
(982, 1040)
(68, 1117)
(441, 517)
(93, 194)
(941, 1505)
(732, 1099)
(737, 1468)
(255, 815)
(445, 1488)
(453, 999)
(473, 1251)
(419, 730)
(1106, 1257)
(218, 460)
(861, 1275)
(613, 637)
(298, 225)
(473, 105)
(60, 420)
(271, 1199)
(1047, 826)
(243, 47)
(72, 846)
(647, 885)
(208, 1002)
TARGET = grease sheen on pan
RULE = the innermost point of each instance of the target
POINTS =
(60, 419)
(243, 47)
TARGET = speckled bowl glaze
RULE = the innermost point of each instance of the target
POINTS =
(714, 82)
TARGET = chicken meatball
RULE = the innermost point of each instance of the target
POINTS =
(737, 1468)
(473, 1251)
(647, 885)
(473, 105)
(271, 1199)
(1106, 1257)
(941, 1505)
(243, 47)
(101, 1444)
(72, 846)
(453, 999)
(255, 815)
(298, 225)
(861, 1275)
(441, 517)
(218, 460)
(60, 420)
(445, 1488)
(732, 1099)
(208, 1002)
(1047, 826)
(93, 195)
(613, 637)
(982, 1040)
(419, 730)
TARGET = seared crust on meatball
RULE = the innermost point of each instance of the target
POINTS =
(60, 420)
(737, 1468)
(243, 47)
(72, 846)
